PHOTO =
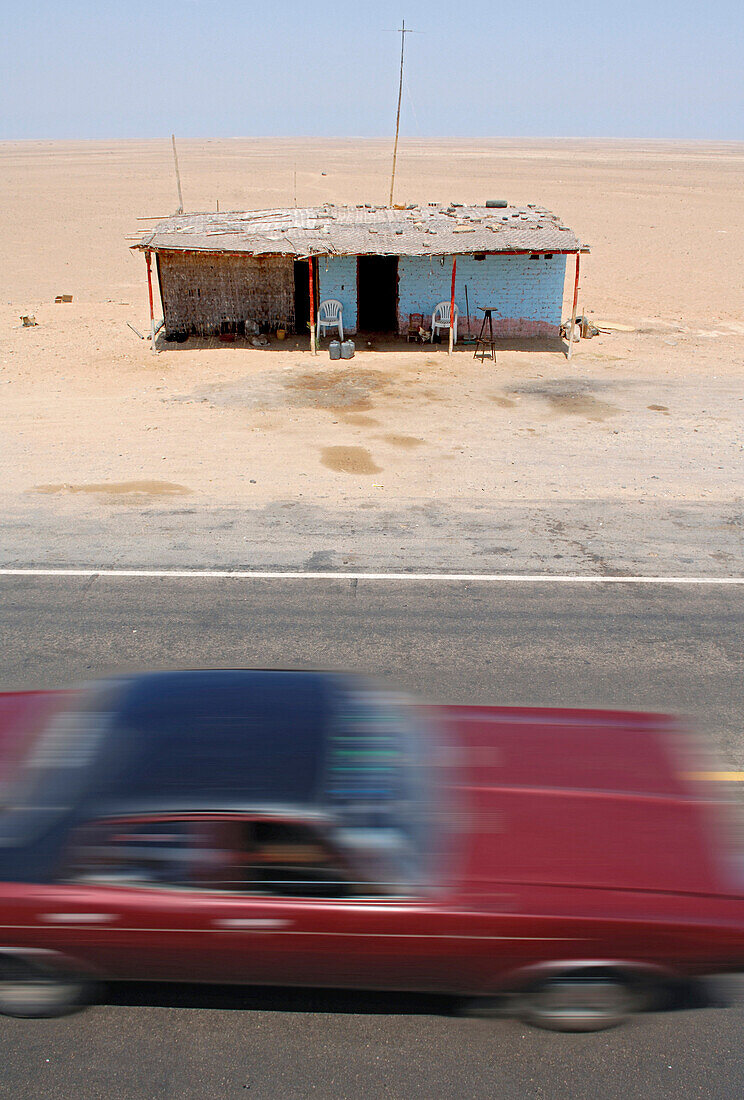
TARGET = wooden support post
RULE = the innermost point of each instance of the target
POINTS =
(573, 310)
(312, 304)
(452, 306)
(178, 176)
(149, 291)
(403, 33)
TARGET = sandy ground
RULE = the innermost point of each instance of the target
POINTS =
(627, 458)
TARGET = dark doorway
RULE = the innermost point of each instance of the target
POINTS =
(377, 293)
(302, 295)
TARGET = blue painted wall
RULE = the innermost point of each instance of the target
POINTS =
(527, 294)
(337, 278)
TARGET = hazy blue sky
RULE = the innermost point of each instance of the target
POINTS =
(216, 68)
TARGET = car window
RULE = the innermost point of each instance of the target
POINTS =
(292, 859)
(243, 855)
(140, 852)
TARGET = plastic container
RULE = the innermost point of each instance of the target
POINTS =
(334, 349)
(347, 349)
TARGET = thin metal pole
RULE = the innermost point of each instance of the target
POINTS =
(178, 176)
(312, 304)
(152, 310)
(397, 117)
(452, 306)
(573, 310)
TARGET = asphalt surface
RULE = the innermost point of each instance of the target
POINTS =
(669, 648)
(597, 535)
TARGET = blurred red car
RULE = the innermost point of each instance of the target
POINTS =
(283, 828)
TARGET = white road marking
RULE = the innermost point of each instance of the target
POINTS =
(299, 575)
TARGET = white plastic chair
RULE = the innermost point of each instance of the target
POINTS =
(440, 319)
(330, 315)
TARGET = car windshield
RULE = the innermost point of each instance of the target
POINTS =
(380, 786)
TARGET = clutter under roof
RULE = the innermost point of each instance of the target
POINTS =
(418, 230)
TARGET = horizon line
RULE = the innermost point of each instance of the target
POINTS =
(385, 139)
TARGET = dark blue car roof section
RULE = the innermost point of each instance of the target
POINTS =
(320, 744)
(221, 736)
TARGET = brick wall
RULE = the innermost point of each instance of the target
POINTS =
(205, 293)
(526, 294)
(337, 278)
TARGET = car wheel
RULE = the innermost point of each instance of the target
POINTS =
(578, 1002)
(31, 991)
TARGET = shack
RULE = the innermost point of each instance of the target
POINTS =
(389, 267)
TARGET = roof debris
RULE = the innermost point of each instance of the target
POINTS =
(346, 231)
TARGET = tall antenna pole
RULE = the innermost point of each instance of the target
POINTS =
(178, 176)
(403, 33)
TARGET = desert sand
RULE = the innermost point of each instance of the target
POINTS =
(628, 457)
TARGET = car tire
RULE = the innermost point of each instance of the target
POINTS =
(578, 1002)
(32, 991)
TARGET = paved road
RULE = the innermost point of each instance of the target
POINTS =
(659, 647)
(600, 535)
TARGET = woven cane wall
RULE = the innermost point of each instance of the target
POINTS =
(205, 293)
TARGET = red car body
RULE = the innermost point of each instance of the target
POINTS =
(569, 841)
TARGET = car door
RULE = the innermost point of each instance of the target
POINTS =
(116, 903)
(301, 915)
(234, 898)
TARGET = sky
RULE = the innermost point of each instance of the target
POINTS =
(79, 69)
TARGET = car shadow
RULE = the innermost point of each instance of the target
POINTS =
(274, 999)
(680, 997)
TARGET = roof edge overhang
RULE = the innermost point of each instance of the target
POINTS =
(145, 247)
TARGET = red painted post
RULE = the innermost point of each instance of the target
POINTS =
(312, 303)
(573, 309)
(452, 306)
(152, 310)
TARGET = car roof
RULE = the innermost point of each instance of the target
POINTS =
(226, 737)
